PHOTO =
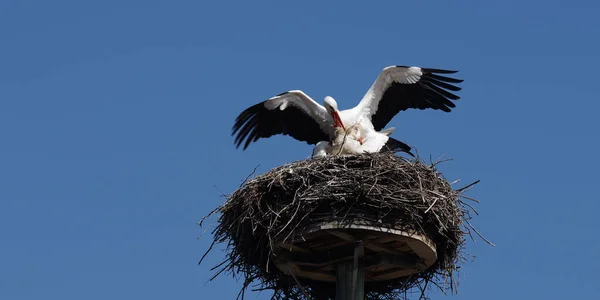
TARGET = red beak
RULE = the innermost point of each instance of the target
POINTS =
(337, 120)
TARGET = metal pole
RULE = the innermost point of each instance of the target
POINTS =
(350, 280)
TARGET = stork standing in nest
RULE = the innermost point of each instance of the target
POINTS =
(397, 88)
(350, 141)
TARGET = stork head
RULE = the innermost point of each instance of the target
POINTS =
(330, 104)
(332, 109)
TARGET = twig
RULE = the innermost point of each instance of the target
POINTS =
(248, 177)
(468, 186)
(432, 204)
(479, 234)
(300, 286)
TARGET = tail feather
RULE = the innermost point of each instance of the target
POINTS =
(388, 131)
(395, 145)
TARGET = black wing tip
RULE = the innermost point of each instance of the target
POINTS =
(439, 71)
(395, 145)
(456, 80)
(442, 78)
(245, 115)
(241, 126)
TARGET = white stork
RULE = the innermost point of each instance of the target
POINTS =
(294, 113)
(350, 141)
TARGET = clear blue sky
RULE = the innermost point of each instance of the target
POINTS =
(115, 121)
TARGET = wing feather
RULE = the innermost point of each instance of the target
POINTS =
(291, 113)
(399, 88)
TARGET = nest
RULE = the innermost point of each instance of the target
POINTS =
(377, 188)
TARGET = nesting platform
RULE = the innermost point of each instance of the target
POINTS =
(396, 223)
(388, 253)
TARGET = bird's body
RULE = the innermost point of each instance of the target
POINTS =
(396, 88)
(351, 141)
(346, 141)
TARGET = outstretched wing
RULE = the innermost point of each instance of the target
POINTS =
(291, 113)
(400, 88)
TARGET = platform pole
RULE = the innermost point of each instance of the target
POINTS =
(350, 277)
